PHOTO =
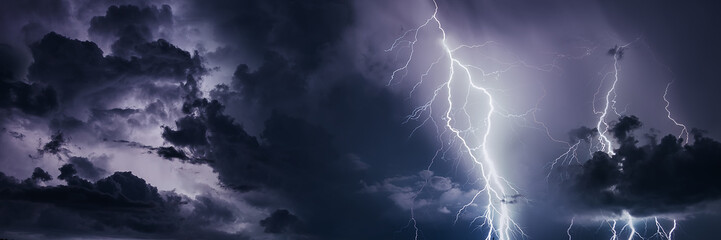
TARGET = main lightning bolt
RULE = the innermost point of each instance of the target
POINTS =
(496, 190)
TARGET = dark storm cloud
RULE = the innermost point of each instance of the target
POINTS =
(76, 67)
(85, 168)
(624, 126)
(281, 221)
(85, 61)
(581, 133)
(69, 65)
(66, 71)
(190, 131)
(209, 210)
(27, 21)
(41, 175)
(10, 63)
(660, 177)
(295, 37)
(33, 98)
(159, 73)
(171, 153)
(301, 29)
(162, 59)
(120, 204)
(120, 190)
(276, 81)
(67, 171)
(312, 148)
(130, 26)
(281, 44)
(210, 134)
(215, 138)
(56, 146)
(290, 148)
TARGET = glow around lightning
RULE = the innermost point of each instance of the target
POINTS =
(496, 219)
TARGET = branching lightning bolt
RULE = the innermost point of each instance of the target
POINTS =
(472, 140)
(661, 232)
(496, 218)
(609, 103)
(606, 145)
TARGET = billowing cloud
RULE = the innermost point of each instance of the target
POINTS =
(661, 177)
(302, 30)
(79, 68)
(30, 98)
(121, 203)
(130, 26)
(85, 168)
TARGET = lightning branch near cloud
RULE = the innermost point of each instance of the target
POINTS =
(460, 90)
(605, 144)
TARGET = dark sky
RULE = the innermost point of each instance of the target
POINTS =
(332, 119)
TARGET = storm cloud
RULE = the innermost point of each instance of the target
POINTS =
(663, 176)
(121, 203)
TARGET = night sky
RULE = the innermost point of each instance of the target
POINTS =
(333, 119)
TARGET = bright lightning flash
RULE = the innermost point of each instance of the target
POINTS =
(496, 191)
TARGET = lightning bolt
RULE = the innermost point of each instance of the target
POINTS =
(613, 231)
(670, 233)
(609, 103)
(684, 131)
(629, 224)
(661, 232)
(568, 231)
(630, 227)
(496, 218)
(606, 145)
(568, 156)
(471, 136)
